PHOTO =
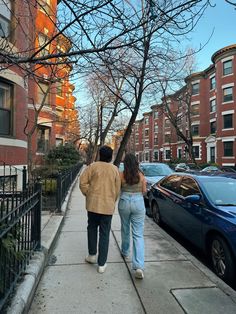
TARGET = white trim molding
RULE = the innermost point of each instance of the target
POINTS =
(13, 142)
(14, 77)
(195, 103)
(227, 112)
(227, 59)
(227, 85)
(228, 139)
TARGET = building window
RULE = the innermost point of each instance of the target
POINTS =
(213, 105)
(147, 156)
(167, 154)
(44, 5)
(167, 138)
(155, 140)
(228, 149)
(5, 18)
(43, 135)
(59, 89)
(146, 144)
(156, 114)
(5, 109)
(227, 94)
(42, 90)
(196, 151)
(195, 130)
(156, 127)
(213, 127)
(227, 67)
(213, 82)
(155, 155)
(137, 139)
(179, 153)
(179, 121)
(195, 110)
(195, 89)
(42, 40)
(146, 120)
(167, 123)
(228, 121)
(146, 132)
(59, 141)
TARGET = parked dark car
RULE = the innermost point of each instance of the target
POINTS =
(189, 167)
(153, 172)
(202, 208)
(211, 169)
(182, 167)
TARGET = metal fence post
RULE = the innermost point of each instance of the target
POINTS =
(59, 192)
(24, 178)
(37, 214)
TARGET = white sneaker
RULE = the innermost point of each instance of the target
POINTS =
(91, 259)
(101, 269)
(139, 274)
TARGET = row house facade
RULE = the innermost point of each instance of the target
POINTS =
(42, 96)
(212, 121)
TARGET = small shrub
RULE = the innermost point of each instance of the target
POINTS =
(49, 186)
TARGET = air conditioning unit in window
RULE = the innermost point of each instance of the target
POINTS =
(4, 28)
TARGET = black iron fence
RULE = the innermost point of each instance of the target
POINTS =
(12, 179)
(20, 234)
(55, 188)
(20, 219)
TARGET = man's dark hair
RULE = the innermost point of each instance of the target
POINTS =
(105, 153)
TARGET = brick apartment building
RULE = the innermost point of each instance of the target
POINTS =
(25, 28)
(213, 118)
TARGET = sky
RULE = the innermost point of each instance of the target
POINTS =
(222, 20)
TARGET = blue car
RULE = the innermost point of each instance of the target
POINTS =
(153, 172)
(202, 208)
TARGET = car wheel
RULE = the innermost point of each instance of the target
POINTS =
(156, 213)
(222, 259)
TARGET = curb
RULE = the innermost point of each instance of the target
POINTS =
(25, 291)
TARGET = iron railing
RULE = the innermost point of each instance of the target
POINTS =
(20, 234)
(12, 178)
(55, 188)
(20, 220)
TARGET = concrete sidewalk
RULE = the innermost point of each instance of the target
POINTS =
(175, 282)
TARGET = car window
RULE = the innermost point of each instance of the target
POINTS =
(188, 187)
(220, 191)
(155, 170)
(171, 183)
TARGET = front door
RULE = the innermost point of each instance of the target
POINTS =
(212, 154)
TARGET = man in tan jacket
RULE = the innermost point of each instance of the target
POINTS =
(100, 183)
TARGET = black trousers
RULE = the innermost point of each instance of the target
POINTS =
(103, 222)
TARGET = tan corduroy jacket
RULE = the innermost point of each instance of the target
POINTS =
(100, 183)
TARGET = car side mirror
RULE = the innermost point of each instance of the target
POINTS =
(193, 199)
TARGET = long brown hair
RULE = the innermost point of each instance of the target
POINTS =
(131, 169)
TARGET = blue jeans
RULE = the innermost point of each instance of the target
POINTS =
(132, 213)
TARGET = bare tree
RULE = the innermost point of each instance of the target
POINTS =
(179, 111)
(142, 64)
(232, 3)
